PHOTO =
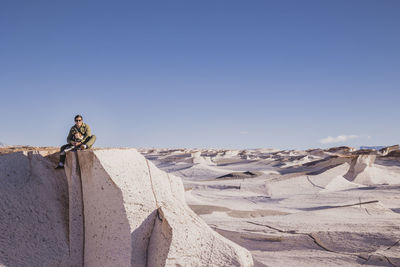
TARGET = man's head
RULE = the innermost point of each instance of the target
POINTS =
(78, 120)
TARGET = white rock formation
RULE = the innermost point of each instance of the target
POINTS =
(198, 159)
(135, 215)
(363, 171)
(359, 165)
(33, 212)
(385, 151)
(123, 211)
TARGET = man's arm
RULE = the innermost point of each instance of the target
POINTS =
(87, 134)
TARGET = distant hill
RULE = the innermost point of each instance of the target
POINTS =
(2, 144)
(372, 147)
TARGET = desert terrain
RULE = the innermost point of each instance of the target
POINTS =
(317, 207)
(332, 207)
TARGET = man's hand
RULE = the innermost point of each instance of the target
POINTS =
(76, 144)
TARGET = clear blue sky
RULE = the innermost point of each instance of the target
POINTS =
(234, 74)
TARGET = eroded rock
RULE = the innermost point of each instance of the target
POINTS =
(117, 209)
(136, 215)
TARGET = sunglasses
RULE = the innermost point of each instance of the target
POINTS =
(78, 120)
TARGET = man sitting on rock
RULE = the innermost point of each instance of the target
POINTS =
(79, 137)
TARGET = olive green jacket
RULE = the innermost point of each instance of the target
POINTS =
(84, 130)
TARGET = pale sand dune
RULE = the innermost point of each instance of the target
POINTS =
(339, 183)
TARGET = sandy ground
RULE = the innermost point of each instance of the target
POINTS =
(331, 207)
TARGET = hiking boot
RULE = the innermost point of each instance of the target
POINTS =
(60, 166)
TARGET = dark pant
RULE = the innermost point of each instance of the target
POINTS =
(89, 142)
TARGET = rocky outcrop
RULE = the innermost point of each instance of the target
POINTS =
(387, 150)
(123, 211)
(340, 150)
(364, 171)
(33, 211)
(135, 215)
(359, 165)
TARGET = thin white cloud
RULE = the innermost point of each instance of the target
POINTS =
(337, 139)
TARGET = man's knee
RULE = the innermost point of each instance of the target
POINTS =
(91, 141)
